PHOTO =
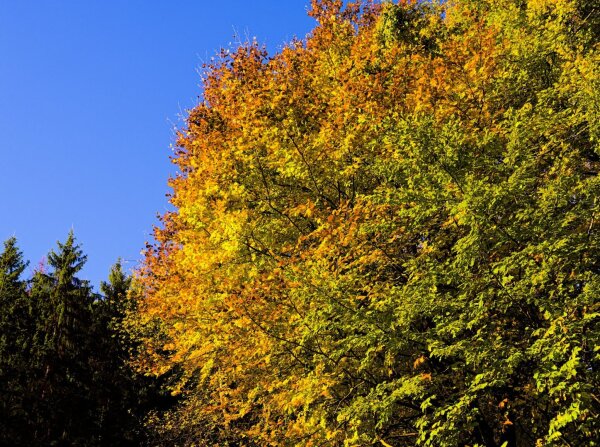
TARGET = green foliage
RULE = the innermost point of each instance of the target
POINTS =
(15, 343)
(65, 377)
(387, 234)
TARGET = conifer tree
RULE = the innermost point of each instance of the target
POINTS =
(15, 344)
(117, 416)
(123, 397)
(65, 377)
(63, 341)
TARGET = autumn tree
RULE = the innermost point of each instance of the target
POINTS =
(387, 233)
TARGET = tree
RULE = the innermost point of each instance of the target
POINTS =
(123, 397)
(63, 304)
(387, 234)
(16, 330)
(65, 377)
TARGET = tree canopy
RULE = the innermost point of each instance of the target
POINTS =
(65, 377)
(384, 234)
(387, 233)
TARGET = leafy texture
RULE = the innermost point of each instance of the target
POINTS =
(387, 234)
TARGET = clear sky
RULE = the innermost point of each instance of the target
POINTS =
(90, 94)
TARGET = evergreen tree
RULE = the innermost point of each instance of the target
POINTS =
(63, 340)
(123, 397)
(65, 377)
(113, 380)
(15, 336)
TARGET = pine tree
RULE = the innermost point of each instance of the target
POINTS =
(113, 379)
(65, 377)
(63, 341)
(15, 335)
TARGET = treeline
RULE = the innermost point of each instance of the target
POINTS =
(65, 377)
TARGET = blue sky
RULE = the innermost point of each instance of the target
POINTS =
(90, 94)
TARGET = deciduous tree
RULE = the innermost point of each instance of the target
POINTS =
(387, 233)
